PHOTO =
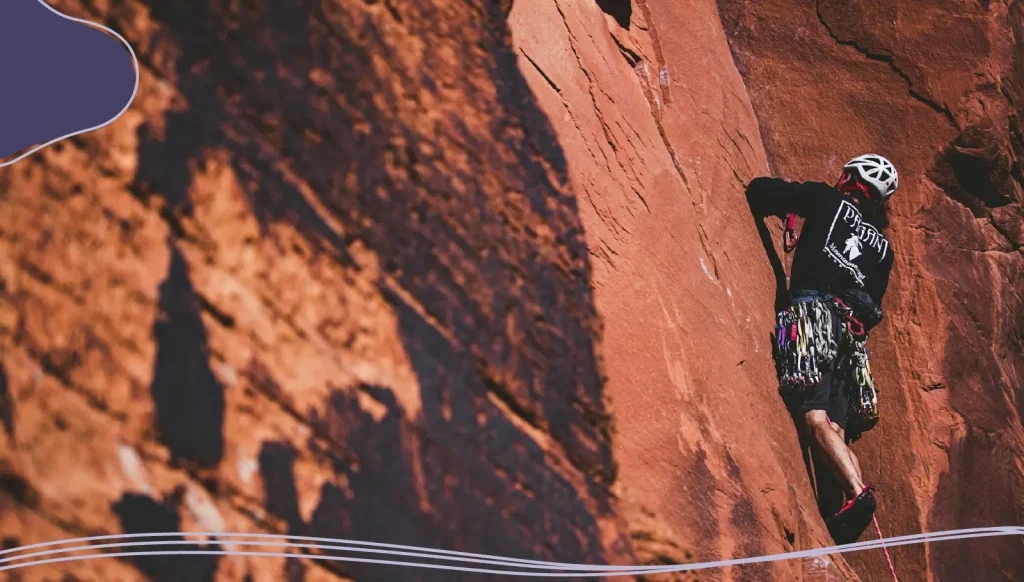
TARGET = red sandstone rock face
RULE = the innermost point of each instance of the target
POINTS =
(681, 281)
(936, 86)
(482, 277)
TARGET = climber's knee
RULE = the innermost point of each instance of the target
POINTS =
(816, 419)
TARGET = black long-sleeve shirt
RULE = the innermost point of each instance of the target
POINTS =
(838, 249)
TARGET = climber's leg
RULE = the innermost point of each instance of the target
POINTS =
(842, 435)
(833, 450)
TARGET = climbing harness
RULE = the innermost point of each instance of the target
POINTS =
(809, 340)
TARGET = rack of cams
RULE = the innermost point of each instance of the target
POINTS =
(863, 395)
(805, 340)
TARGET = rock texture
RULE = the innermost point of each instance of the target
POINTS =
(937, 86)
(481, 276)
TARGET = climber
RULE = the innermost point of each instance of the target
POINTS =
(839, 275)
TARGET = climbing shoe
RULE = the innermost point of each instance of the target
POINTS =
(851, 521)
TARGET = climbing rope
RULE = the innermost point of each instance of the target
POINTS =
(888, 558)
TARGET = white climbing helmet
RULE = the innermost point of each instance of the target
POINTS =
(877, 171)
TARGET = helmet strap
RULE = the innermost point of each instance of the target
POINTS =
(848, 182)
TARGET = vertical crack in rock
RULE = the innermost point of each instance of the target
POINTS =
(550, 82)
(663, 88)
(659, 55)
(605, 128)
(629, 54)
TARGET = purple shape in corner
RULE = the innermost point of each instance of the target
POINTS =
(60, 77)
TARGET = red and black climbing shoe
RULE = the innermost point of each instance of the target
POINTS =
(855, 517)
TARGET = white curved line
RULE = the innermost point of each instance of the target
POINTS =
(899, 540)
(112, 119)
(333, 559)
(493, 560)
(356, 546)
(496, 561)
(222, 535)
(589, 571)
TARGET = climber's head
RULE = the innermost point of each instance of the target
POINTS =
(869, 179)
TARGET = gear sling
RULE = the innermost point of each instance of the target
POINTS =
(808, 341)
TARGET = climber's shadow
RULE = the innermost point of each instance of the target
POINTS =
(6, 406)
(827, 489)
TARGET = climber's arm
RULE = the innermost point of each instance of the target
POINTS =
(778, 197)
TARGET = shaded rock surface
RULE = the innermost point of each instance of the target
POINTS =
(482, 277)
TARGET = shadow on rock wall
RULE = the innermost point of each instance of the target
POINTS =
(140, 514)
(463, 477)
(188, 399)
(412, 125)
(6, 405)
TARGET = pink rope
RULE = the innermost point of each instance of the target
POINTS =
(885, 549)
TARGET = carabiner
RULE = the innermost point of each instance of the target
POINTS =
(850, 321)
(789, 237)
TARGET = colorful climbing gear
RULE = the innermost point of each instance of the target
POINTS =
(854, 325)
(805, 344)
(862, 412)
(809, 340)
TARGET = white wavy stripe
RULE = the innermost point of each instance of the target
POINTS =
(496, 560)
(576, 570)
(353, 546)
(223, 535)
(112, 119)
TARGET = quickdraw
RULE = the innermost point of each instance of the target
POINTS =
(807, 343)
(853, 325)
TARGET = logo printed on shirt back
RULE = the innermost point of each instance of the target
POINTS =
(850, 238)
(852, 247)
